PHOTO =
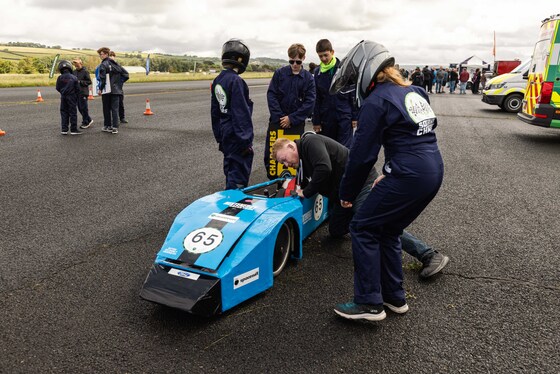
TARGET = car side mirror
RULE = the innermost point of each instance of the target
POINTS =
(526, 75)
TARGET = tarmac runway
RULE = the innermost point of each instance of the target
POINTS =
(82, 217)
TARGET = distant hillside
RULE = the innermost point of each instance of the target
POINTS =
(29, 57)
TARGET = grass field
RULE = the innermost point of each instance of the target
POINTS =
(39, 80)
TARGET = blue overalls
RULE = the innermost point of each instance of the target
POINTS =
(401, 120)
(332, 112)
(69, 88)
(231, 111)
(291, 95)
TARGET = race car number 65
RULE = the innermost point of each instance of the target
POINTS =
(203, 240)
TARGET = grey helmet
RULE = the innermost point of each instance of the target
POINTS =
(359, 68)
(64, 64)
(235, 52)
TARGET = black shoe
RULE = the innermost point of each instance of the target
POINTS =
(124, 121)
(115, 130)
(433, 264)
(368, 312)
(107, 129)
(64, 132)
(75, 132)
(396, 306)
(86, 125)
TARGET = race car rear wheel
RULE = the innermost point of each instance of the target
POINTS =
(282, 248)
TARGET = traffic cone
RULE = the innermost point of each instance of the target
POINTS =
(148, 111)
(39, 97)
(2, 132)
(90, 97)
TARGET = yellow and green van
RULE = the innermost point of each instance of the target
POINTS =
(541, 104)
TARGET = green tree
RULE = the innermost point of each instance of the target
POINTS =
(6, 67)
(25, 66)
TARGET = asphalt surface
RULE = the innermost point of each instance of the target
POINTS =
(82, 217)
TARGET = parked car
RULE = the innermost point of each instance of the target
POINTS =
(507, 90)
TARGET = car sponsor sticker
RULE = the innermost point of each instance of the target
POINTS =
(239, 205)
(171, 251)
(184, 274)
(223, 217)
(306, 217)
(245, 278)
(203, 240)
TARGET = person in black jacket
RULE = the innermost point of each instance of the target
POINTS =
(67, 85)
(113, 56)
(111, 78)
(84, 80)
(321, 163)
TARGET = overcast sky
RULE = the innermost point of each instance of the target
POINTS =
(414, 31)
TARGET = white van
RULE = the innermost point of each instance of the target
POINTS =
(507, 90)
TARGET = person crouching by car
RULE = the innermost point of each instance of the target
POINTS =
(231, 111)
(398, 117)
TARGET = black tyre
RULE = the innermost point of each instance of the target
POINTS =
(282, 248)
(513, 103)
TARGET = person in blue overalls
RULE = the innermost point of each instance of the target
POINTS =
(69, 88)
(332, 115)
(231, 111)
(398, 117)
(291, 96)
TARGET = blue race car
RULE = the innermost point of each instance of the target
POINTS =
(227, 247)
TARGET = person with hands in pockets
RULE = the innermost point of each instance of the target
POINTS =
(231, 111)
(397, 116)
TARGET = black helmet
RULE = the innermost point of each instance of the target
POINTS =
(360, 68)
(235, 52)
(64, 64)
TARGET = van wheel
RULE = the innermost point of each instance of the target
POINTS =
(282, 248)
(512, 103)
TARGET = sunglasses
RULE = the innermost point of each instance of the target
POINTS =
(299, 62)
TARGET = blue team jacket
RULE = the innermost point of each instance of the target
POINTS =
(67, 84)
(401, 120)
(331, 109)
(292, 95)
(231, 111)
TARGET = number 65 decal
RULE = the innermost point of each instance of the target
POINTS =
(203, 240)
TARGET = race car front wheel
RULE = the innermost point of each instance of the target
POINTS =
(282, 248)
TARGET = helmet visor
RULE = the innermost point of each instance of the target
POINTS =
(346, 76)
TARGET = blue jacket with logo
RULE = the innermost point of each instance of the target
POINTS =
(231, 111)
(67, 84)
(292, 95)
(401, 120)
(331, 109)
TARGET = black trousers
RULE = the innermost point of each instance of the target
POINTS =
(110, 110)
(83, 108)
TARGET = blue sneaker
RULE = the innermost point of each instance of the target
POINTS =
(368, 312)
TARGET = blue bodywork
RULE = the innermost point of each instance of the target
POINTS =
(219, 251)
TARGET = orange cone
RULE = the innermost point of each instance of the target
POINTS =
(148, 111)
(90, 97)
(2, 132)
(39, 97)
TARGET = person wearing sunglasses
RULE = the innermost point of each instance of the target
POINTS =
(333, 114)
(291, 97)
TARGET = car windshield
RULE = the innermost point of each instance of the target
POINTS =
(521, 67)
